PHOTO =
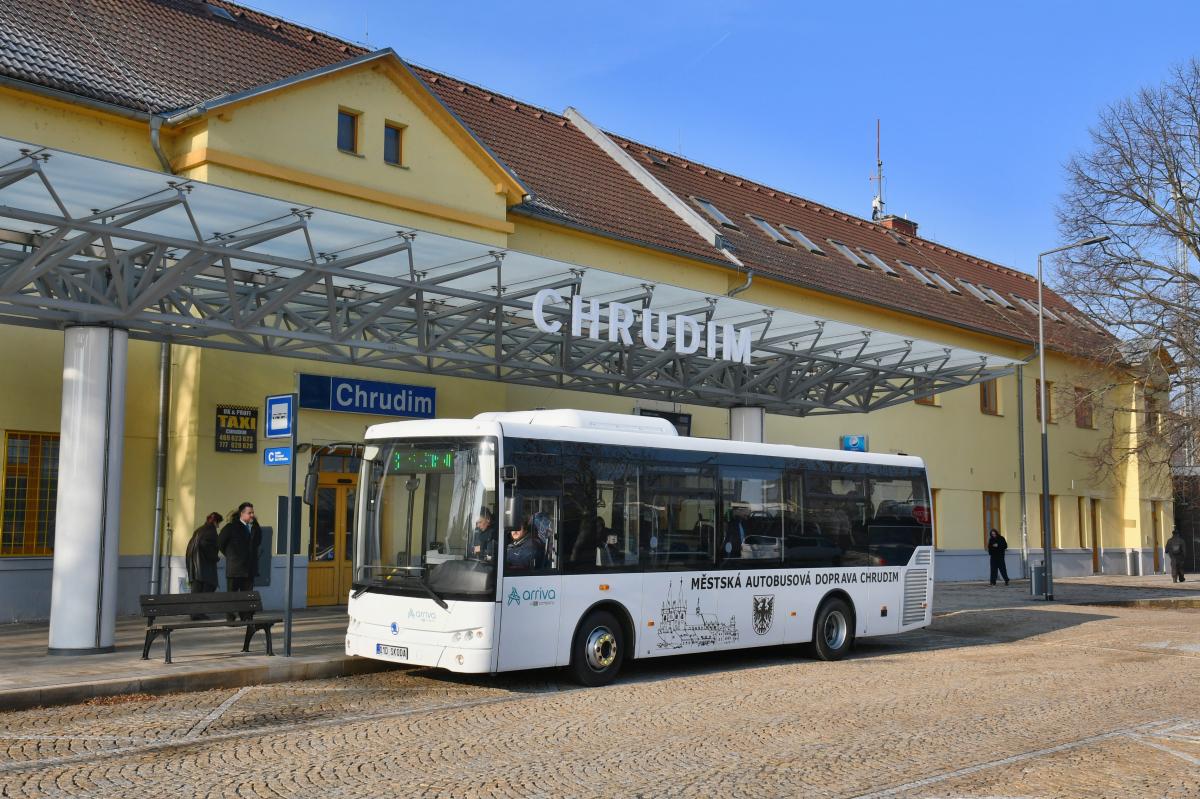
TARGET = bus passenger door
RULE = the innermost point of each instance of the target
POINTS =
(531, 600)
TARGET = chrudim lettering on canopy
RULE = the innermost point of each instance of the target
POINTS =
(86, 241)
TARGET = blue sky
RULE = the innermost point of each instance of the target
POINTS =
(981, 104)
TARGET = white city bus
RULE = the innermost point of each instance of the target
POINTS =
(610, 537)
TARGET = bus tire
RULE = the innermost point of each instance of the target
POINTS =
(598, 649)
(833, 630)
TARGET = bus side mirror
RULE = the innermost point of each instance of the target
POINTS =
(508, 474)
(310, 488)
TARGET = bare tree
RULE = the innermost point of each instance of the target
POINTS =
(1138, 183)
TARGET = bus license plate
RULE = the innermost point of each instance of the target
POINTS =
(393, 651)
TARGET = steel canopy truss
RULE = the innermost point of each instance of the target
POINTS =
(85, 241)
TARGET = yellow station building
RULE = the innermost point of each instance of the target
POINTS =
(219, 94)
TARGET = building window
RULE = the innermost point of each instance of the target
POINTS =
(27, 506)
(991, 515)
(849, 254)
(1083, 409)
(769, 229)
(1037, 399)
(989, 399)
(393, 144)
(347, 131)
(1152, 415)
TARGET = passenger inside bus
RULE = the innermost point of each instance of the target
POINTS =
(483, 537)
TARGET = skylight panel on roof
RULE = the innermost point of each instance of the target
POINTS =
(767, 228)
(879, 262)
(1026, 304)
(918, 274)
(998, 298)
(1029, 306)
(944, 283)
(975, 292)
(849, 253)
(802, 240)
(715, 213)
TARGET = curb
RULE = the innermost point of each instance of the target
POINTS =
(1164, 603)
(288, 670)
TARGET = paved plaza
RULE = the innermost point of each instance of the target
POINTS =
(1001, 697)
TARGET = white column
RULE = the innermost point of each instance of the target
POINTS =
(746, 424)
(83, 602)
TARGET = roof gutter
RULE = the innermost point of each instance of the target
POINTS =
(74, 99)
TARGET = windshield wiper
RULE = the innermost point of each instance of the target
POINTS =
(360, 591)
(432, 594)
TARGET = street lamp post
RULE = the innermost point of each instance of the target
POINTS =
(1047, 543)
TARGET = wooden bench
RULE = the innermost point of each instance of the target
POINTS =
(189, 605)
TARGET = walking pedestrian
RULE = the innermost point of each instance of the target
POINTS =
(239, 542)
(1175, 552)
(996, 548)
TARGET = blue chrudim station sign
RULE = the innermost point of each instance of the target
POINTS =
(350, 395)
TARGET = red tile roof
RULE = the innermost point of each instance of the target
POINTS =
(164, 55)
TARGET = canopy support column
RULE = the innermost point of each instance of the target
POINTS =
(746, 424)
(83, 600)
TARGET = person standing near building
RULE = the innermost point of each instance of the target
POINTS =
(1175, 552)
(202, 556)
(996, 549)
(239, 542)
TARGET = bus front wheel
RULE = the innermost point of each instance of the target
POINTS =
(833, 630)
(598, 650)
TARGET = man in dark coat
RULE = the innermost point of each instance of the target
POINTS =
(202, 556)
(996, 548)
(1175, 552)
(239, 542)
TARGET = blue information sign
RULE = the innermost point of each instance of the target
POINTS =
(280, 413)
(351, 395)
(277, 456)
(854, 443)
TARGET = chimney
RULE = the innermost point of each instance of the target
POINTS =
(899, 224)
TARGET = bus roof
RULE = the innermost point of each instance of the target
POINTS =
(522, 425)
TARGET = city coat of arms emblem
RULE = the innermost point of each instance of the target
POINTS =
(764, 613)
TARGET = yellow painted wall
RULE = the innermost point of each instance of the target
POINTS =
(39, 121)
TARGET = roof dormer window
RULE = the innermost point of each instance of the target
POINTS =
(975, 292)
(943, 282)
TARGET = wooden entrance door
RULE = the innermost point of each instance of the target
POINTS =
(330, 550)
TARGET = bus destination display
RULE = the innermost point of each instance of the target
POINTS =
(421, 460)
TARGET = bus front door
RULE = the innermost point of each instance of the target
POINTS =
(531, 602)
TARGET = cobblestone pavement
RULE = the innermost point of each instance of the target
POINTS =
(1023, 701)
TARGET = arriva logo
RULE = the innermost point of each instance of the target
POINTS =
(534, 596)
(422, 615)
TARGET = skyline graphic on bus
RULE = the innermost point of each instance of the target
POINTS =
(678, 628)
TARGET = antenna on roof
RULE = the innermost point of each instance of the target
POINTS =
(877, 203)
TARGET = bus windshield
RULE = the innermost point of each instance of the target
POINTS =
(427, 518)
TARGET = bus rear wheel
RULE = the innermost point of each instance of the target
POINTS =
(833, 630)
(598, 650)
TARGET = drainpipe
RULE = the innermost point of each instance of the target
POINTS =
(160, 476)
(743, 287)
(155, 126)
